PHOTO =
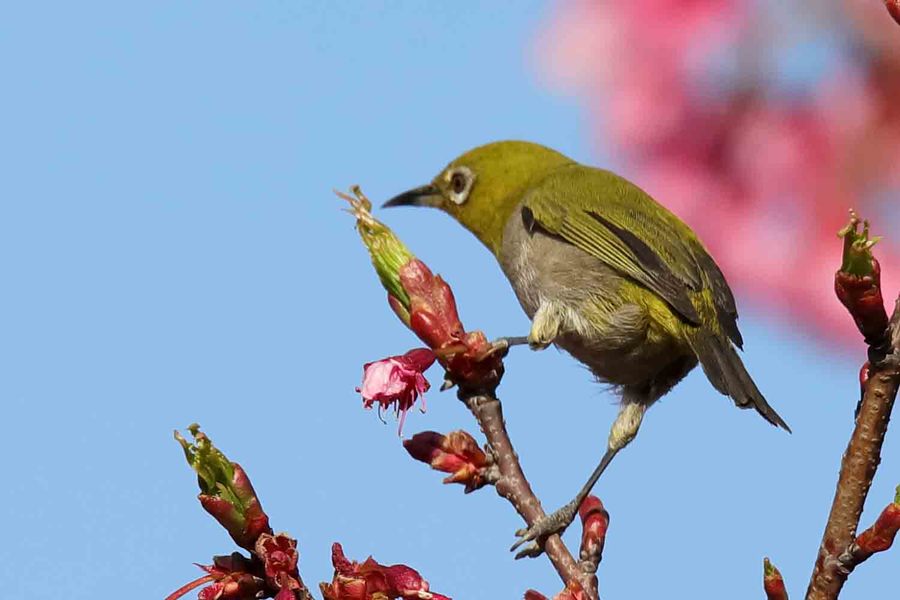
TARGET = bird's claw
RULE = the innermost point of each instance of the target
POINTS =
(531, 550)
(535, 345)
(532, 539)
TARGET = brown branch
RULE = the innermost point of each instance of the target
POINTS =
(858, 466)
(514, 486)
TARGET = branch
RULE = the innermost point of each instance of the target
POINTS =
(514, 486)
(859, 288)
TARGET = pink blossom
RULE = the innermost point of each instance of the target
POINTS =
(397, 380)
(682, 93)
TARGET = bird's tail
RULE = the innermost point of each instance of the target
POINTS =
(726, 371)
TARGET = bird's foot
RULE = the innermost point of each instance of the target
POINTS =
(532, 539)
(538, 345)
(545, 326)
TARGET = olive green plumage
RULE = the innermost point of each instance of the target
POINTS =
(603, 270)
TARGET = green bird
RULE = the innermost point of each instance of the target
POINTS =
(605, 273)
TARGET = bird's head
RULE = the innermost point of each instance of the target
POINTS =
(482, 187)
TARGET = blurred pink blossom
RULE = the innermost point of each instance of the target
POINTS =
(684, 94)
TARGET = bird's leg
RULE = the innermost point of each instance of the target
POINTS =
(623, 431)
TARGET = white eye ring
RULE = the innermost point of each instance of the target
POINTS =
(459, 184)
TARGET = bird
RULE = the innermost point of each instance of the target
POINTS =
(606, 274)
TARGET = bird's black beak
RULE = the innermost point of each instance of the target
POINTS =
(426, 195)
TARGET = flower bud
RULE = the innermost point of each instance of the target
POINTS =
(573, 591)
(880, 536)
(225, 490)
(373, 581)
(456, 453)
(858, 282)
(773, 584)
(594, 523)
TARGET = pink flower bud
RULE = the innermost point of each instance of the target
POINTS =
(456, 453)
(773, 584)
(594, 522)
(880, 536)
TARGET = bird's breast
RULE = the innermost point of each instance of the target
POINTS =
(542, 268)
(606, 322)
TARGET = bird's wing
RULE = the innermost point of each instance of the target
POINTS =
(615, 221)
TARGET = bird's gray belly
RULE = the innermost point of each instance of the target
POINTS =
(543, 268)
(600, 329)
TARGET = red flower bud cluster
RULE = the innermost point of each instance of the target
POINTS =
(423, 301)
(773, 584)
(233, 580)
(456, 453)
(227, 494)
(573, 591)
(373, 581)
(880, 536)
(397, 381)
(229, 578)
(279, 556)
(434, 318)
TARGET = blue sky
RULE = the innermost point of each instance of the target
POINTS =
(171, 252)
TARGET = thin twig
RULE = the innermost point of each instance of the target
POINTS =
(858, 466)
(514, 486)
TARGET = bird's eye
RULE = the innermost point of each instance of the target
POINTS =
(459, 184)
